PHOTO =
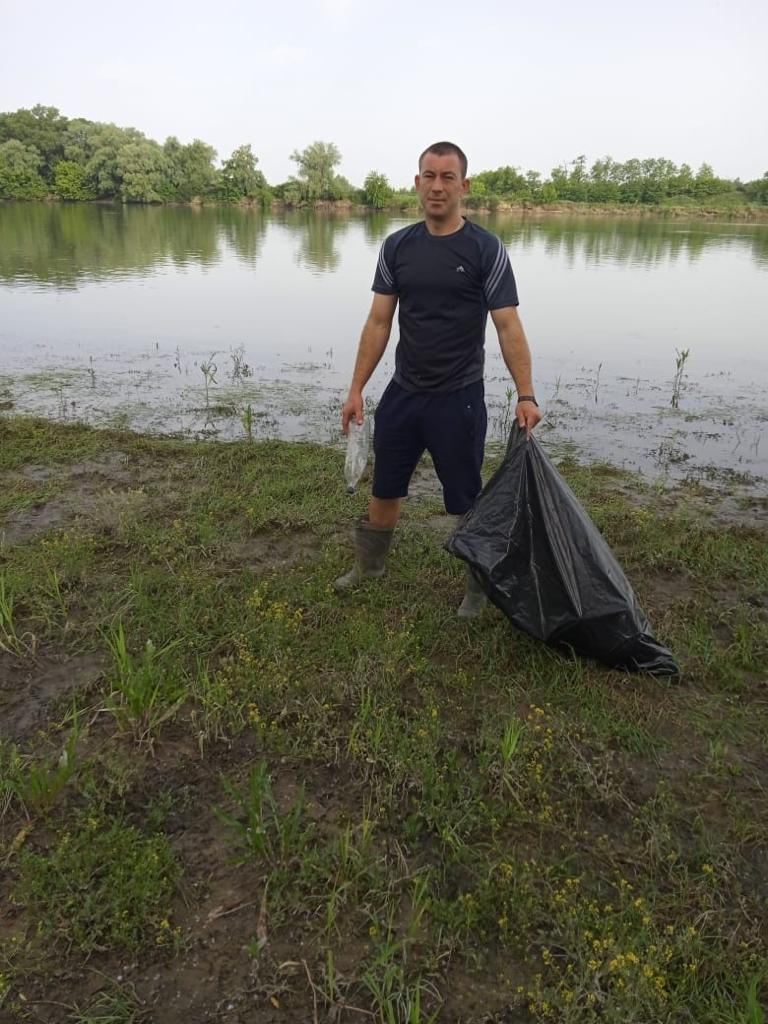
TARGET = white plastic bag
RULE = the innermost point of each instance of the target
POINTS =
(358, 441)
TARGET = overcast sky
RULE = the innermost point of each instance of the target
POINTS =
(531, 85)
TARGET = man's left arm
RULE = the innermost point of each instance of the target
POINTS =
(517, 356)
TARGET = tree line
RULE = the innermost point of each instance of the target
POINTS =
(44, 154)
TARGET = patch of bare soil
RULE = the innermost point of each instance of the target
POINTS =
(746, 509)
(87, 487)
(27, 691)
(268, 551)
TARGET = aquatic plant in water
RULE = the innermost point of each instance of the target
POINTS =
(677, 380)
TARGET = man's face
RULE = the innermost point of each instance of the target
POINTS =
(440, 186)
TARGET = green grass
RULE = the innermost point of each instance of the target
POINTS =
(35, 783)
(400, 802)
(101, 884)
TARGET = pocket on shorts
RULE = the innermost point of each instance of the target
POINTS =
(472, 409)
(386, 397)
(469, 417)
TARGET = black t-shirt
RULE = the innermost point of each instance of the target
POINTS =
(445, 285)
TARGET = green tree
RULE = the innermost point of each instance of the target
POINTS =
(70, 181)
(288, 192)
(103, 167)
(142, 168)
(240, 178)
(316, 170)
(41, 128)
(190, 172)
(682, 184)
(558, 178)
(548, 193)
(603, 186)
(478, 196)
(20, 171)
(578, 180)
(706, 183)
(630, 184)
(76, 143)
(757, 190)
(504, 182)
(341, 188)
(533, 184)
(376, 190)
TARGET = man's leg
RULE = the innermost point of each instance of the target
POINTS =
(384, 513)
(457, 447)
(397, 449)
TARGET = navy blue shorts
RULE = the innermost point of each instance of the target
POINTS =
(449, 425)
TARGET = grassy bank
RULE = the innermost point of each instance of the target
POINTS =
(719, 208)
(228, 794)
(724, 208)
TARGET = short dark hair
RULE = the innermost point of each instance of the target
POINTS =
(447, 149)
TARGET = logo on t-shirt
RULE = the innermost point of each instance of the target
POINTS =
(460, 269)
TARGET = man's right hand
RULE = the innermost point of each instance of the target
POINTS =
(352, 409)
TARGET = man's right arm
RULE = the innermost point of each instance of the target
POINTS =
(373, 342)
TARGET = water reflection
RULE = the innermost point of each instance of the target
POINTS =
(636, 242)
(244, 232)
(62, 244)
(317, 237)
(376, 226)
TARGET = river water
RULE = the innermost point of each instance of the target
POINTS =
(221, 322)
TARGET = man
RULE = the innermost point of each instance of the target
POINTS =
(447, 274)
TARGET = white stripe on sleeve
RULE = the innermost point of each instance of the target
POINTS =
(384, 269)
(497, 271)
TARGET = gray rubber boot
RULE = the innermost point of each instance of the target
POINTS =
(371, 547)
(474, 598)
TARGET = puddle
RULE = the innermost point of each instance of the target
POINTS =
(717, 434)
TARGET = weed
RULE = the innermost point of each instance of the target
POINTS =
(266, 834)
(507, 414)
(596, 382)
(397, 992)
(209, 370)
(754, 1012)
(240, 369)
(219, 712)
(510, 744)
(102, 884)
(145, 691)
(35, 783)
(246, 418)
(677, 381)
(12, 639)
(118, 1005)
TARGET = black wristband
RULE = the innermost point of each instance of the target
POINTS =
(528, 398)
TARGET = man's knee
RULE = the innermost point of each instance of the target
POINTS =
(384, 512)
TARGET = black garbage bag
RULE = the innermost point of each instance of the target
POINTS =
(543, 562)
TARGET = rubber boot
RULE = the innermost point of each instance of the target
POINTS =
(371, 546)
(474, 598)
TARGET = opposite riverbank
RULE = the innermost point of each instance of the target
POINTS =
(731, 212)
(223, 786)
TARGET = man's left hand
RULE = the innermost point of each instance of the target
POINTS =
(528, 415)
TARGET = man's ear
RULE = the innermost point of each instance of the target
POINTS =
(416, 180)
(465, 186)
